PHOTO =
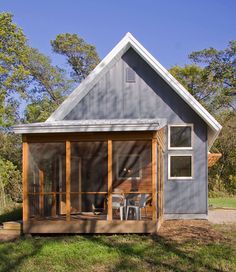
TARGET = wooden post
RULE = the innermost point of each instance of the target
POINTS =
(25, 161)
(68, 172)
(41, 191)
(159, 181)
(162, 183)
(154, 179)
(109, 212)
(54, 178)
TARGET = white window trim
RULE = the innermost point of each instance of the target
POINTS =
(180, 155)
(117, 167)
(180, 148)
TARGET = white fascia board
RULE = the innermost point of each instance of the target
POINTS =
(91, 126)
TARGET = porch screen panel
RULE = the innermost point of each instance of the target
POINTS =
(132, 179)
(46, 179)
(89, 179)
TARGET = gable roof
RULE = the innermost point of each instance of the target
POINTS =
(130, 42)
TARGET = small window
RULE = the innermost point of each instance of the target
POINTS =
(180, 167)
(130, 75)
(129, 167)
(180, 136)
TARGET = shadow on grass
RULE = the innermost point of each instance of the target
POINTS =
(13, 215)
(160, 253)
(11, 259)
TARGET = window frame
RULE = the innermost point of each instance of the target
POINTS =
(180, 148)
(180, 155)
(117, 167)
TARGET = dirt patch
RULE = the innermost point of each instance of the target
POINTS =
(222, 216)
(8, 238)
(185, 230)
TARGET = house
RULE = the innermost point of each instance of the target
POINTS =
(125, 151)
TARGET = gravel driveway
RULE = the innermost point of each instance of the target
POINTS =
(222, 216)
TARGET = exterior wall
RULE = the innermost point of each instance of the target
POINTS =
(151, 97)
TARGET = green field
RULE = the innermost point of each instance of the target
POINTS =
(122, 252)
(223, 202)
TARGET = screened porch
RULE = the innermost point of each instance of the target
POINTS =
(93, 182)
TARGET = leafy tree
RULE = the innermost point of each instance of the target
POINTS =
(13, 55)
(48, 87)
(213, 83)
(220, 68)
(225, 169)
(81, 56)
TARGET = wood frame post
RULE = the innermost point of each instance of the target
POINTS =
(154, 179)
(109, 178)
(25, 167)
(68, 173)
(41, 191)
(159, 181)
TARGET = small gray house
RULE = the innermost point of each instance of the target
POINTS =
(126, 150)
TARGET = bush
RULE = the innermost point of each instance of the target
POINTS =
(10, 183)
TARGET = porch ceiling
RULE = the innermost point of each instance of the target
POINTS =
(91, 126)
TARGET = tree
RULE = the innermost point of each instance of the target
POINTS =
(13, 75)
(213, 83)
(224, 171)
(220, 68)
(48, 87)
(81, 56)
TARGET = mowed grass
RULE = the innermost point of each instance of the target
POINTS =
(124, 252)
(223, 202)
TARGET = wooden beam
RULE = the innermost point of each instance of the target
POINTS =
(159, 181)
(41, 189)
(25, 167)
(89, 136)
(68, 173)
(109, 167)
(154, 179)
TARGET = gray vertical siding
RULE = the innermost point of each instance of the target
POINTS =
(151, 97)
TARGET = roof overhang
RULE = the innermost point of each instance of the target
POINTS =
(91, 126)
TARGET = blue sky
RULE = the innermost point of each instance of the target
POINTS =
(169, 29)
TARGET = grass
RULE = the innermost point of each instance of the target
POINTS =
(223, 202)
(122, 252)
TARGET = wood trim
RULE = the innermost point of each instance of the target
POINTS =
(109, 164)
(88, 136)
(154, 179)
(159, 181)
(25, 166)
(41, 189)
(90, 226)
(68, 173)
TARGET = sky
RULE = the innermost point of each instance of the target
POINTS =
(168, 29)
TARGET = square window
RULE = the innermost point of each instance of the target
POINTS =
(129, 167)
(180, 137)
(180, 167)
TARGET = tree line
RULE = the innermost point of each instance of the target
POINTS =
(31, 88)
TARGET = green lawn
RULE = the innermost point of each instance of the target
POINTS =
(121, 253)
(223, 202)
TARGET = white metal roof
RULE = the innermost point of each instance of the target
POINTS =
(91, 126)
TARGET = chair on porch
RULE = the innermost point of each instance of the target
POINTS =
(136, 207)
(118, 203)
